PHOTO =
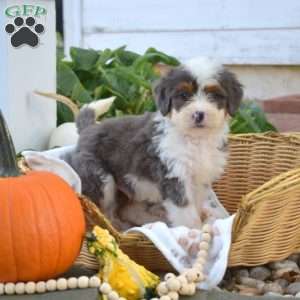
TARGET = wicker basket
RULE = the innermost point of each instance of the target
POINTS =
(261, 184)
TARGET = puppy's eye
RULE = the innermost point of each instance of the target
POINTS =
(217, 96)
(184, 95)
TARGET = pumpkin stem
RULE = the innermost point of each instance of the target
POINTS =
(8, 162)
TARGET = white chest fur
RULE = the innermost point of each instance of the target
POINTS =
(195, 161)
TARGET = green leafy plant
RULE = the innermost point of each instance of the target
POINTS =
(250, 118)
(95, 74)
(91, 75)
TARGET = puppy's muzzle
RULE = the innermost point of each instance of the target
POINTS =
(198, 118)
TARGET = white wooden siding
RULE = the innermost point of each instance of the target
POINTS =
(251, 32)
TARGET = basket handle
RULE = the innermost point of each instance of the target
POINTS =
(278, 183)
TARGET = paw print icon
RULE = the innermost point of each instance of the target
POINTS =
(24, 32)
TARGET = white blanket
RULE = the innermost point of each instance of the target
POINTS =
(179, 245)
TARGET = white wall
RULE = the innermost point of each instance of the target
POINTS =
(246, 34)
(25, 69)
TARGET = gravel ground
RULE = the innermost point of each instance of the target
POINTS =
(274, 279)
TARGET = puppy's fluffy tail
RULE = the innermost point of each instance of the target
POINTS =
(90, 112)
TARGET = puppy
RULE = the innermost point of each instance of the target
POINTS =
(163, 161)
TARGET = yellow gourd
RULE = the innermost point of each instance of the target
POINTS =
(131, 280)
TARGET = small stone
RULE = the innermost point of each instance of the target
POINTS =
(294, 257)
(271, 294)
(276, 274)
(30, 287)
(20, 288)
(1, 288)
(72, 283)
(83, 282)
(41, 287)
(51, 285)
(282, 282)
(261, 273)
(293, 288)
(245, 290)
(284, 264)
(273, 287)
(250, 282)
(288, 296)
(9, 288)
(241, 273)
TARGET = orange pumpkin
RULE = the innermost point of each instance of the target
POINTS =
(41, 220)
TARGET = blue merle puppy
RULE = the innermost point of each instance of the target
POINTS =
(163, 161)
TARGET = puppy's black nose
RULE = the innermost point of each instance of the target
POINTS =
(198, 117)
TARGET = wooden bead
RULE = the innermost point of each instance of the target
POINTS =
(206, 237)
(30, 287)
(113, 296)
(201, 260)
(184, 290)
(191, 289)
(207, 228)
(162, 289)
(9, 288)
(20, 288)
(62, 284)
(198, 267)
(105, 288)
(94, 282)
(83, 282)
(203, 254)
(182, 279)
(203, 246)
(191, 275)
(173, 295)
(165, 297)
(40, 287)
(51, 285)
(173, 284)
(169, 276)
(72, 283)
(200, 276)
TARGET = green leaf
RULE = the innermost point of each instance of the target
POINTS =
(84, 59)
(69, 85)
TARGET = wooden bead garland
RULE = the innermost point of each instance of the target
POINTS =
(185, 283)
(51, 285)
(170, 289)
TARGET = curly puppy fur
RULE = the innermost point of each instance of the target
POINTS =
(164, 161)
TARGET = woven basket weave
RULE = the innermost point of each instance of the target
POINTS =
(261, 184)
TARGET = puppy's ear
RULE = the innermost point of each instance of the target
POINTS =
(162, 97)
(234, 91)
